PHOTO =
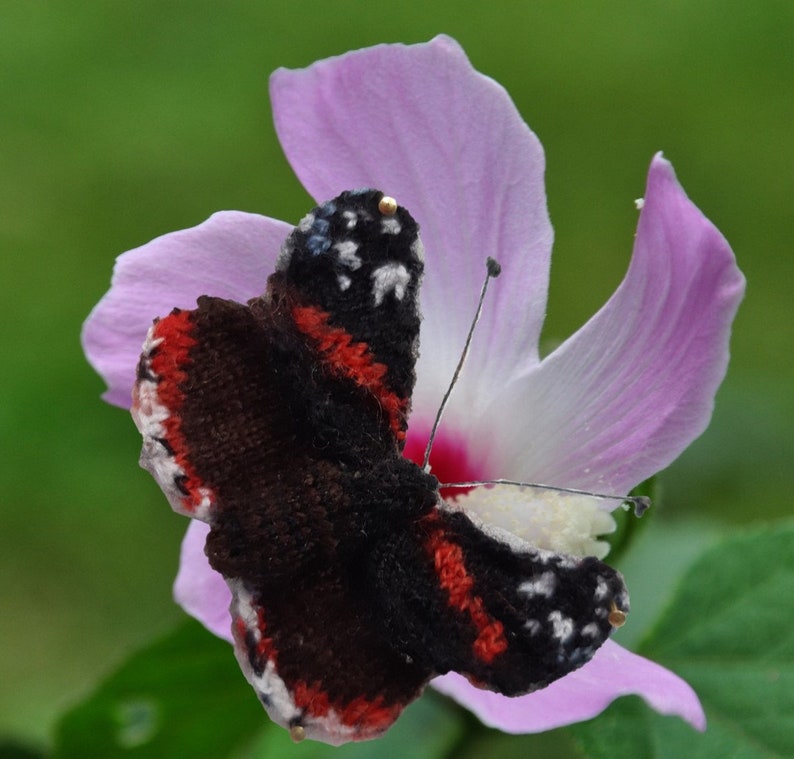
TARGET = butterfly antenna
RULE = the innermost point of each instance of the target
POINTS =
(493, 270)
(641, 503)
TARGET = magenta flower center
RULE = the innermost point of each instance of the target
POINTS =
(449, 459)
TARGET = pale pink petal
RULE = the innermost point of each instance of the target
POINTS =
(198, 588)
(581, 695)
(620, 399)
(419, 123)
(230, 256)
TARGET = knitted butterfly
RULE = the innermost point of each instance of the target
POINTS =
(281, 423)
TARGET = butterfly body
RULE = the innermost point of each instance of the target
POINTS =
(281, 423)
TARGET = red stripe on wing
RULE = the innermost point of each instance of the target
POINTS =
(348, 358)
(374, 715)
(454, 578)
(169, 363)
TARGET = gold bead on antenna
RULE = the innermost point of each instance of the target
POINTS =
(387, 206)
(616, 618)
(297, 733)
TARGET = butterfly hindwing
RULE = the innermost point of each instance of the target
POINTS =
(509, 617)
(317, 661)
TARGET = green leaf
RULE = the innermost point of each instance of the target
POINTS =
(492, 744)
(185, 696)
(181, 696)
(729, 633)
(10, 749)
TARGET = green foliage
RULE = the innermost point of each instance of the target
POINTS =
(13, 750)
(185, 696)
(181, 696)
(728, 633)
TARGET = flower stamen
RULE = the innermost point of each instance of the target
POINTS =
(641, 503)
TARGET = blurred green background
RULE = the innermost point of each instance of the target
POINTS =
(122, 121)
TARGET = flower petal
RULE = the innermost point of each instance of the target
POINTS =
(230, 256)
(447, 142)
(583, 694)
(199, 589)
(620, 399)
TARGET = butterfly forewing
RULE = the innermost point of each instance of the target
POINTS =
(350, 275)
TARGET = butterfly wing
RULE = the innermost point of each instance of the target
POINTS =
(453, 595)
(280, 424)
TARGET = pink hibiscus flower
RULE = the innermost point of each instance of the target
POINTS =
(614, 404)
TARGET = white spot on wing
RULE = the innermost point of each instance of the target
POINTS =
(544, 585)
(343, 281)
(305, 224)
(151, 342)
(533, 626)
(245, 606)
(602, 589)
(347, 252)
(592, 630)
(391, 277)
(285, 255)
(562, 626)
(351, 218)
(390, 226)
(418, 249)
